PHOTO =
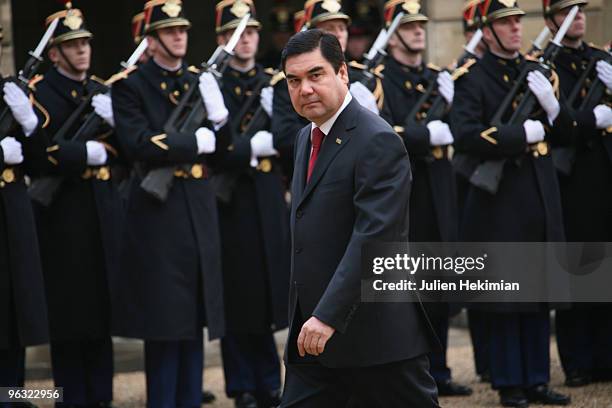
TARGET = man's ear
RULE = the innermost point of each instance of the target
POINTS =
(343, 73)
(53, 54)
(221, 39)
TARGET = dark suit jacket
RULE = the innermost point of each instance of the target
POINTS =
(358, 193)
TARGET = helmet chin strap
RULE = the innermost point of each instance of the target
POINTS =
(405, 45)
(70, 64)
(501, 45)
(159, 40)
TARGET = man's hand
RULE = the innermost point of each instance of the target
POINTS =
(20, 105)
(313, 337)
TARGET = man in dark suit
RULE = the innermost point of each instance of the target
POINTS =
(351, 185)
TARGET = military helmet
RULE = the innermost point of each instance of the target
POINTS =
(230, 12)
(164, 14)
(492, 10)
(317, 11)
(71, 25)
(410, 8)
(552, 6)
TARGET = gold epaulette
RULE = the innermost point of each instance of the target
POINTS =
(34, 81)
(598, 47)
(434, 67)
(464, 69)
(270, 71)
(121, 75)
(279, 76)
(97, 79)
(355, 64)
(193, 69)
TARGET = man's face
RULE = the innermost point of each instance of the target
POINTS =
(412, 34)
(578, 27)
(509, 31)
(358, 45)
(174, 38)
(76, 55)
(316, 91)
(338, 28)
(247, 45)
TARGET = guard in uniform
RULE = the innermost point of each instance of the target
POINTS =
(79, 229)
(23, 311)
(254, 223)
(476, 321)
(170, 259)
(584, 332)
(526, 206)
(363, 29)
(433, 210)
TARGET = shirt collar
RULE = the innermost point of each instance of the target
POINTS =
(327, 126)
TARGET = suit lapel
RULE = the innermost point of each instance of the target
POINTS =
(301, 162)
(334, 142)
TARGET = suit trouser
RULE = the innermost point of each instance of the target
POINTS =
(250, 363)
(584, 336)
(11, 367)
(519, 349)
(401, 384)
(437, 359)
(479, 334)
(174, 371)
(84, 368)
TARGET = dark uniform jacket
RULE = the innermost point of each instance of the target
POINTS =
(527, 205)
(23, 308)
(433, 208)
(254, 222)
(358, 193)
(79, 231)
(171, 266)
(586, 191)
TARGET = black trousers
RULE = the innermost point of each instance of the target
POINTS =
(402, 384)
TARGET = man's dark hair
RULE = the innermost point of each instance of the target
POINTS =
(308, 41)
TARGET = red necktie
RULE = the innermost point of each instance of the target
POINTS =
(317, 141)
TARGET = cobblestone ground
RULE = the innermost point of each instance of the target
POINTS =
(130, 387)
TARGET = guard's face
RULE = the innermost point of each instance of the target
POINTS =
(412, 34)
(246, 48)
(510, 32)
(338, 29)
(174, 38)
(578, 27)
(76, 55)
(316, 91)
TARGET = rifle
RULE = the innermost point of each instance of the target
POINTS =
(377, 53)
(7, 121)
(489, 173)
(537, 45)
(596, 90)
(190, 113)
(44, 189)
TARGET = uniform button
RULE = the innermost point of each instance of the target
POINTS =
(298, 250)
(299, 214)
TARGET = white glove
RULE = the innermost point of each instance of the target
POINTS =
(213, 100)
(266, 98)
(446, 86)
(603, 116)
(96, 153)
(604, 72)
(439, 133)
(543, 91)
(262, 145)
(534, 129)
(364, 96)
(21, 107)
(12, 151)
(207, 142)
(103, 106)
